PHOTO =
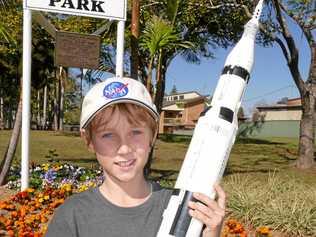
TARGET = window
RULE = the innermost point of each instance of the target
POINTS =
(181, 97)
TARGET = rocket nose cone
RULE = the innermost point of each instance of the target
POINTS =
(257, 12)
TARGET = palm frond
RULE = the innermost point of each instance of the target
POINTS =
(4, 34)
(158, 34)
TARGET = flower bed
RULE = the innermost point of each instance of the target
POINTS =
(27, 213)
(55, 176)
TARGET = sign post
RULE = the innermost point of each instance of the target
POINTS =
(26, 94)
(120, 49)
(108, 9)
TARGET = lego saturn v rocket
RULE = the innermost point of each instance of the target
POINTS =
(213, 137)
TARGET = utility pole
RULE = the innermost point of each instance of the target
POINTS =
(134, 39)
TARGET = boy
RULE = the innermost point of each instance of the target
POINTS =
(119, 123)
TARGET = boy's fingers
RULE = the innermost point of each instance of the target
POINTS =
(221, 196)
(213, 205)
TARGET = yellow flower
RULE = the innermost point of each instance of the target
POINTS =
(30, 190)
(83, 188)
(41, 200)
(45, 167)
(66, 187)
(57, 167)
(46, 197)
(91, 184)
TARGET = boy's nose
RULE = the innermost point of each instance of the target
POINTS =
(124, 148)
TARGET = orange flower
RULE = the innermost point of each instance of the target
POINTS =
(23, 211)
(11, 233)
(14, 214)
(43, 219)
(263, 231)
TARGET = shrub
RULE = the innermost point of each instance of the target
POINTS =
(283, 203)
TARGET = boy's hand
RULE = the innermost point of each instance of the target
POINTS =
(211, 213)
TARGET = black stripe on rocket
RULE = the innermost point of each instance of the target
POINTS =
(226, 114)
(182, 218)
(238, 71)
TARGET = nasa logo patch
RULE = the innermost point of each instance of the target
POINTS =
(115, 90)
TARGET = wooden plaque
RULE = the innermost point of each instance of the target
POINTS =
(77, 50)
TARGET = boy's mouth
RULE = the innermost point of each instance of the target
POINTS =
(127, 163)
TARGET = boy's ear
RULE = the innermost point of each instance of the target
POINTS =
(89, 144)
(152, 143)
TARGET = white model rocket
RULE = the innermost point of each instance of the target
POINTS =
(213, 137)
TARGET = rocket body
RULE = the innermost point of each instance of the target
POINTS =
(213, 137)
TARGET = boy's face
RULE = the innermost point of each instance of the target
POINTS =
(121, 148)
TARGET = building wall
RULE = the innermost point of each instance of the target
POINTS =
(161, 123)
(267, 129)
(192, 112)
(294, 102)
(284, 128)
(180, 96)
(281, 115)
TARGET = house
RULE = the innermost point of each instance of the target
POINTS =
(279, 120)
(180, 112)
(288, 109)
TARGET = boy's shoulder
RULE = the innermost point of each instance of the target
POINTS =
(80, 200)
(163, 193)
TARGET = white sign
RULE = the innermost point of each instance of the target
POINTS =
(110, 9)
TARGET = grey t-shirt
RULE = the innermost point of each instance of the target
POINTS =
(90, 214)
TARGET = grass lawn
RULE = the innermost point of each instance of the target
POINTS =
(249, 156)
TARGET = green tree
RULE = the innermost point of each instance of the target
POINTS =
(174, 90)
(159, 35)
(302, 13)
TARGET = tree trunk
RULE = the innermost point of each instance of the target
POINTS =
(44, 108)
(38, 117)
(62, 78)
(55, 107)
(306, 141)
(10, 151)
(134, 39)
(161, 83)
(10, 117)
(149, 76)
(1, 113)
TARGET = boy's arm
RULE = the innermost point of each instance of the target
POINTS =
(60, 225)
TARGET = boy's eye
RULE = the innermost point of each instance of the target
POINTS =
(137, 132)
(107, 135)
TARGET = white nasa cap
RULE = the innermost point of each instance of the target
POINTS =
(112, 91)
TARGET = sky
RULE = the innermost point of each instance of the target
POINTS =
(270, 78)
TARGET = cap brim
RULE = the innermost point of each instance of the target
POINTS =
(123, 100)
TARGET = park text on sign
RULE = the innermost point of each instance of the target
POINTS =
(77, 50)
(111, 9)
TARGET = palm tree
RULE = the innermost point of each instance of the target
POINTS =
(3, 29)
(158, 35)
(163, 39)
